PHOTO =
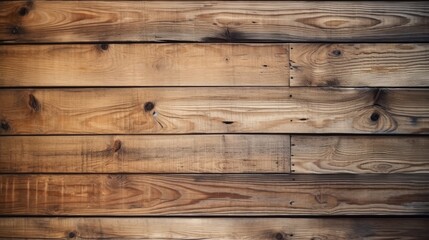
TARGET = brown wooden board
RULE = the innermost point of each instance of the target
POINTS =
(360, 154)
(146, 154)
(214, 228)
(213, 21)
(360, 65)
(213, 194)
(144, 65)
(213, 110)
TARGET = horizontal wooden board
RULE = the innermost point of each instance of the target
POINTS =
(213, 194)
(146, 154)
(145, 65)
(360, 154)
(357, 65)
(213, 110)
(213, 21)
(214, 228)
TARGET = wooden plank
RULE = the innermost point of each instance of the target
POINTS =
(360, 65)
(213, 194)
(146, 154)
(360, 154)
(214, 228)
(213, 21)
(213, 110)
(145, 65)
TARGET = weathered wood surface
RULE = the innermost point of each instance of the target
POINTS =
(359, 154)
(146, 154)
(213, 21)
(144, 65)
(214, 228)
(213, 194)
(213, 110)
(357, 65)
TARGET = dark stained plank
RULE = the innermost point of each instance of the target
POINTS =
(213, 194)
(144, 65)
(360, 65)
(146, 154)
(213, 110)
(360, 154)
(214, 228)
(213, 21)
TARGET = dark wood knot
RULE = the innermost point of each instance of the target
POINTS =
(72, 235)
(117, 145)
(4, 125)
(149, 106)
(375, 116)
(33, 103)
(23, 11)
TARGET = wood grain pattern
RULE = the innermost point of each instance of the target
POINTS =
(213, 21)
(360, 154)
(145, 65)
(357, 65)
(213, 194)
(213, 110)
(146, 154)
(214, 228)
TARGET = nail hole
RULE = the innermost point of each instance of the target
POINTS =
(104, 46)
(291, 202)
(279, 236)
(148, 106)
(14, 30)
(336, 52)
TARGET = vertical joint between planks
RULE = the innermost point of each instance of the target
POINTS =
(290, 64)
(292, 171)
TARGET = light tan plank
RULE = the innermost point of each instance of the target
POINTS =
(357, 65)
(144, 65)
(214, 228)
(146, 154)
(213, 110)
(360, 154)
(213, 194)
(213, 21)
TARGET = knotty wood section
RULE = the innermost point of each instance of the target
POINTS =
(360, 65)
(360, 154)
(213, 21)
(145, 65)
(146, 154)
(213, 194)
(214, 228)
(213, 110)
